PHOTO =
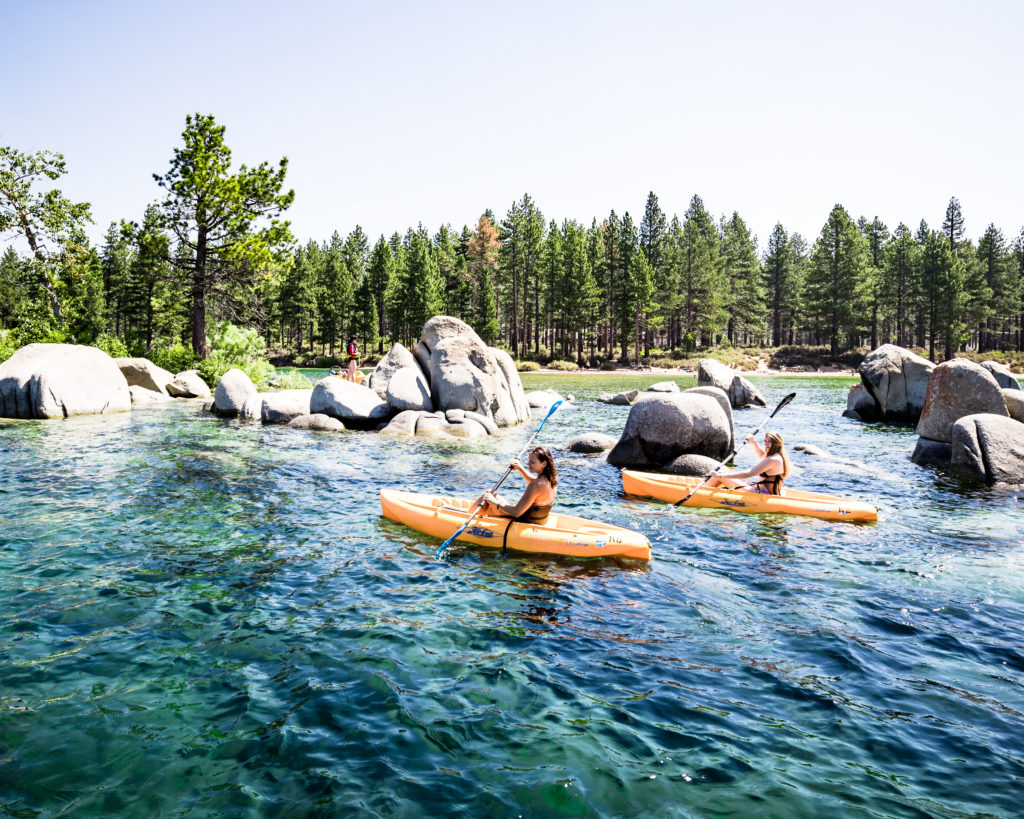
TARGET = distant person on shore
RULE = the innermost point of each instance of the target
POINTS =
(770, 471)
(539, 497)
(353, 358)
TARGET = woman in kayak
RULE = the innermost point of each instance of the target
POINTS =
(770, 471)
(539, 497)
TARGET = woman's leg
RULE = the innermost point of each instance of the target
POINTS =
(728, 483)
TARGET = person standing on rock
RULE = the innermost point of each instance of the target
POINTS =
(536, 502)
(353, 357)
(770, 471)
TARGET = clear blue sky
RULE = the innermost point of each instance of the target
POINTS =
(397, 113)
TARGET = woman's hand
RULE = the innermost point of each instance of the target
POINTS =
(751, 439)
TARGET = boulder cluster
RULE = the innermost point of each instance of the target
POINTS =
(60, 380)
(969, 417)
(450, 383)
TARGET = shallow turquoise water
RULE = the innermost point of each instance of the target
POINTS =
(206, 618)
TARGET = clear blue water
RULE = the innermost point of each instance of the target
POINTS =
(206, 618)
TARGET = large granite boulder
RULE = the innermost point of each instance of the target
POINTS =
(662, 426)
(860, 404)
(723, 401)
(664, 386)
(1003, 375)
(141, 372)
(234, 389)
(397, 358)
(356, 406)
(464, 373)
(957, 388)
(189, 384)
(989, 448)
(58, 380)
(1014, 403)
(590, 443)
(408, 390)
(897, 380)
(284, 406)
(712, 373)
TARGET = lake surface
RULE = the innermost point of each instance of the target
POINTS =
(209, 618)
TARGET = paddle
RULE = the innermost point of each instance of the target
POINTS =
(501, 480)
(733, 454)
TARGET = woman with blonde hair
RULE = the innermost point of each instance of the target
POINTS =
(771, 470)
(539, 497)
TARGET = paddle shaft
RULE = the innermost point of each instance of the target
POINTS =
(735, 451)
(508, 471)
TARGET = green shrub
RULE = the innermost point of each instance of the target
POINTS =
(237, 343)
(235, 347)
(527, 366)
(112, 345)
(608, 365)
(289, 380)
(175, 359)
(213, 368)
(8, 344)
(564, 366)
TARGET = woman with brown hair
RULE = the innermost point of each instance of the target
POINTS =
(771, 470)
(539, 497)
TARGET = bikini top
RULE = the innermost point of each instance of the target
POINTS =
(537, 514)
(773, 483)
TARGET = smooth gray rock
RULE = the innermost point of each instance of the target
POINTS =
(58, 380)
(696, 465)
(897, 379)
(623, 399)
(1014, 403)
(141, 372)
(189, 384)
(485, 422)
(403, 425)
(431, 424)
(722, 397)
(397, 358)
(932, 453)
(356, 406)
(142, 396)
(713, 373)
(234, 389)
(664, 386)
(957, 388)
(408, 390)
(590, 443)
(1003, 375)
(860, 404)
(317, 421)
(808, 449)
(513, 383)
(989, 448)
(284, 406)
(542, 399)
(466, 374)
(208, 405)
(465, 428)
(661, 427)
(422, 356)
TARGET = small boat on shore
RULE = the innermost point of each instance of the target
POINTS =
(674, 488)
(561, 534)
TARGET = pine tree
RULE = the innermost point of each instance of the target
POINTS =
(148, 274)
(653, 234)
(703, 291)
(747, 306)
(482, 260)
(422, 283)
(902, 281)
(835, 276)
(116, 260)
(995, 263)
(379, 275)
(873, 291)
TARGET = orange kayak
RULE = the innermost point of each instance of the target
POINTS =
(673, 488)
(440, 517)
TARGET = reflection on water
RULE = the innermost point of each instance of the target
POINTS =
(211, 618)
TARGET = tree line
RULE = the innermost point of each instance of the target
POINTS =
(217, 248)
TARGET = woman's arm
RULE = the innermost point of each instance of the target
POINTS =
(515, 510)
(756, 469)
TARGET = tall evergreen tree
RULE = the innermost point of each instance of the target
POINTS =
(874, 293)
(741, 270)
(902, 281)
(150, 273)
(653, 240)
(116, 261)
(379, 275)
(994, 264)
(224, 224)
(703, 290)
(837, 269)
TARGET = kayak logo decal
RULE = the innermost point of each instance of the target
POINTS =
(737, 503)
(480, 531)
